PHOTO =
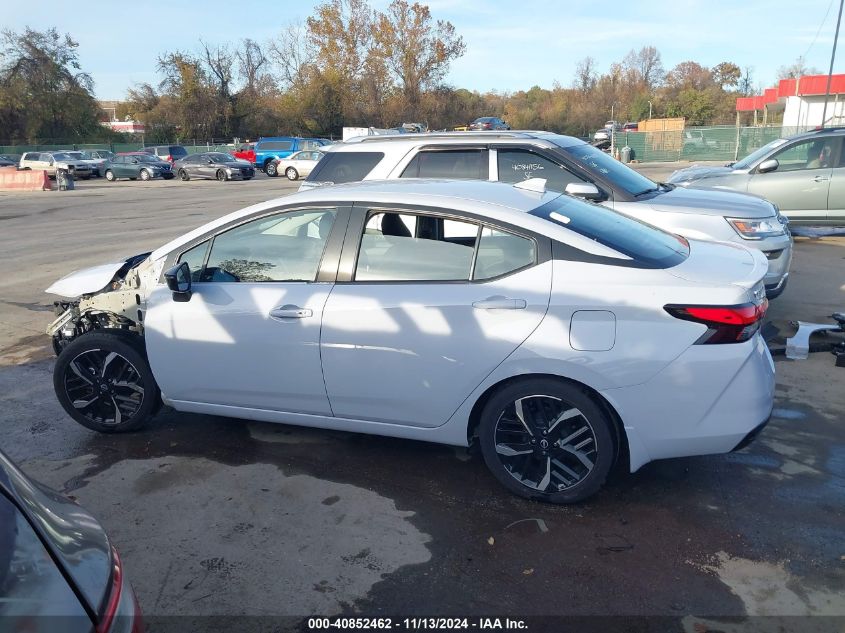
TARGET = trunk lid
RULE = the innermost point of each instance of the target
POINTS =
(718, 263)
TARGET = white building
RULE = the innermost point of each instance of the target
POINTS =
(799, 102)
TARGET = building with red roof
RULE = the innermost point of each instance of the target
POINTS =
(798, 102)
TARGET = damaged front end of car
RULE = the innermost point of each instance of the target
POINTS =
(112, 296)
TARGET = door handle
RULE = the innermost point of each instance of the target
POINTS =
(820, 178)
(290, 312)
(499, 303)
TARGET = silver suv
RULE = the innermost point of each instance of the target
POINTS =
(571, 166)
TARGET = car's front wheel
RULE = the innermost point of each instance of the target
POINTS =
(104, 382)
(547, 439)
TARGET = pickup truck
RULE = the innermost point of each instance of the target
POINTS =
(268, 151)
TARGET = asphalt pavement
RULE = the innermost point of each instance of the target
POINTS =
(223, 517)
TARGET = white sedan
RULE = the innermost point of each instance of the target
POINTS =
(298, 165)
(558, 334)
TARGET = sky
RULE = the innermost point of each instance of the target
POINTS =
(511, 45)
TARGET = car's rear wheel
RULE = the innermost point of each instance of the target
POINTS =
(291, 173)
(547, 439)
(104, 382)
(270, 169)
(183, 175)
(145, 175)
(221, 175)
(110, 175)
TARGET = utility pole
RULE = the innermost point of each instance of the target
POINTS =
(649, 110)
(832, 57)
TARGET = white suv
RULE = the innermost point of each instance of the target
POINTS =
(571, 166)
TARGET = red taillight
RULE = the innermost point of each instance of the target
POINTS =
(725, 324)
(488, 125)
(114, 595)
(169, 158)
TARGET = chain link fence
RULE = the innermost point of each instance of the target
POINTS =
(725, 143)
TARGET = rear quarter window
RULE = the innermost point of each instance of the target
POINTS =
(647, 246)
(339, 167)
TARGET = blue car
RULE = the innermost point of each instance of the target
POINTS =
(270, 149)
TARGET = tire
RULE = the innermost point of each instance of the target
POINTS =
(512, 444)
(110, 175)
(184, 176)
(221, 176)
(145, 175)
(270, 169)
(100, 369)
(292, 174)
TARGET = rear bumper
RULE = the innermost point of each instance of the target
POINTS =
(706, 401)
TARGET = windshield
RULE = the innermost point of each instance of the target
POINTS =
(60, 156)
(647, 245)
(220, 157)
(76, 155)
(753, 157)
(604, 167)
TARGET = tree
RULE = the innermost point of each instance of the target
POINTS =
(585, 74)
(416, 51)
(43, 92)
(796, 69)
(726, 74)
(746, 82)
(644, 66)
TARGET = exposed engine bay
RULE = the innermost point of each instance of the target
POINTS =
(119, 304)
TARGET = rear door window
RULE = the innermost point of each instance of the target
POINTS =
(339, 167)
(516, 165)
(465, 164)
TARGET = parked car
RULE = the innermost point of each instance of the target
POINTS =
(602, 134)
(631, 127)
(246, 151)
(446, 311)
(213, 165)
(101, 154)
(696, 142)
(12, 158)
(58, 570)
(298, 165)
(95, 164)
(269, 150)
(804, 175)
(571, 166)
(489, 123)
(7, 161)
(168, 153)
(137, 165)
(51, 161)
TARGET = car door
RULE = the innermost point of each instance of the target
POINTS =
(427, 304)
(801, 182)
(249, 334)
(836, 193)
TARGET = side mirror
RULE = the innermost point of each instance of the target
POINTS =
(768, 165)
(135, 161)
(586, 190)
(178, 280)
(210, 162)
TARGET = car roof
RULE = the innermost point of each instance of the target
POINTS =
(827, 131)
(372, 143)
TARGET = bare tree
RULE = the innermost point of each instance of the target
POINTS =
(645, 66)
(585, 74)
(796, 69)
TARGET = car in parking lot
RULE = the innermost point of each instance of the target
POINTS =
(167, 153)
(213, 165)
(51, 161)
(268, 151)
(602, 134)
(58, 570)
(804, 175)
(137, 166)
(298, 165)
(9, 160)
(95, 164)
(489, 123)
(557, 333)
(571, 166)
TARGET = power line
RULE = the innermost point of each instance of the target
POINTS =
(824, 19)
